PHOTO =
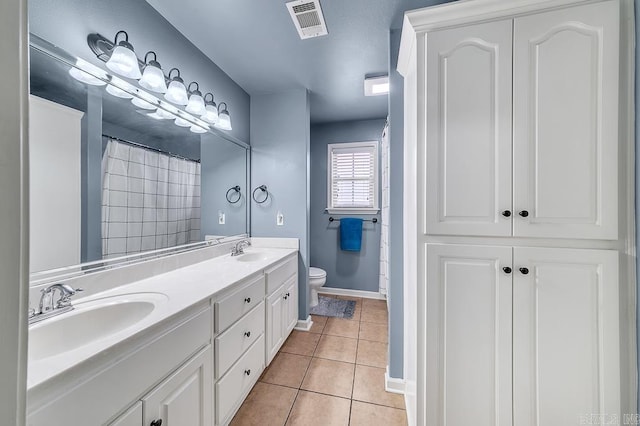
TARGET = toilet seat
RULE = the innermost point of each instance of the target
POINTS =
(317, 272)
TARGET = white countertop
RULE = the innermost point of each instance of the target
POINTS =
(183, 288)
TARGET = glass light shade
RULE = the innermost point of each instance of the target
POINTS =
(85, 77)
(124, 61)
(197, 129)
(177, 93)
(141, 103)
(153, 79)
(224, 121)
(195, 105)
(210, 114)
(166, 115)
(155, 115)
(117, 92)
(182, 122)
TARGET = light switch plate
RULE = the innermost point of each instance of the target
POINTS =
(221, 218)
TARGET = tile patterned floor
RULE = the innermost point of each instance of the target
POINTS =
(331, 375)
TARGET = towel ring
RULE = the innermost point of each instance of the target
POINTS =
(229, 195)
(263, 188)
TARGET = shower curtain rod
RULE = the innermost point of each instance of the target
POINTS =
(139, 145)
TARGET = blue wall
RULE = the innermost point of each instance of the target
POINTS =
(347, 270)
(280, 137)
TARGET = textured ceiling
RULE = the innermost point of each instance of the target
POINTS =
(256, 44)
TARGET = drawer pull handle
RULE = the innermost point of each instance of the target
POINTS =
(247, 334)
(288, 294)
(285, 297)
(247, 299)
(506, 270)
(247, 372)
(506, 213)
(524, 213)
(156, 422)
(524, 271)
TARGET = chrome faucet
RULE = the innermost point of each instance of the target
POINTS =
(47, 308)
(238, 249)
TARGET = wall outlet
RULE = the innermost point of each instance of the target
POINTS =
(279, 219)
(221, 217)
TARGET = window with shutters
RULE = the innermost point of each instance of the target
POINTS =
(352, 178)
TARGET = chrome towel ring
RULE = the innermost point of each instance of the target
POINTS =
(230, 194)
(262, 188)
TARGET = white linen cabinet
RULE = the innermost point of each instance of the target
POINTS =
(516, 226)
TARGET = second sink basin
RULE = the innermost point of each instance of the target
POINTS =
(90, 321)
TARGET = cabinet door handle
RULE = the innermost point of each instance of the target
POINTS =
(247, 299)
(156, 422)
(524, 271)
(247, 372)
(506, 270)
(288, 294)
(285, 297)
(506, 213)
(524, 213)
(247, 334)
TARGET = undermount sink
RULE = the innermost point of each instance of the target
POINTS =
(90, 321)
(251, 257)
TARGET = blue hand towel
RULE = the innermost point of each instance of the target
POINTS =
(350, 234)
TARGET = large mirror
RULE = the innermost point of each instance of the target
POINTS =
(110, 180)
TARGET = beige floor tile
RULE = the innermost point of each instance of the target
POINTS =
(301, 343)
(373, 354)
(363, 414)
(266, 405)
(374, 304)
(342, 327)
(318, 324)
(314, 409)
(374, 332)
(376, 315)
(337, 348)
(286, 370)
(357, 313)
(329, 377)
(368, 386)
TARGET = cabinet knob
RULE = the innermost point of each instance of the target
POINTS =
(524, 213)
(247, 299)
(247, 334)
(156, 422)
(506, 213)
(285, 297)
(506, 270)
(524, 271)
(247, 372)
(288, 294)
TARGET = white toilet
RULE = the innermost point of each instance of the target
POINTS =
(317, 278)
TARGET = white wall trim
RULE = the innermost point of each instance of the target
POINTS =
(352, 293)
(392, 384)
(304, 325)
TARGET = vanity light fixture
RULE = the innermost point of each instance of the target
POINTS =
(165, 115)
(181, 122)
(141, 103)
(196, 103)
(376, 86)
(152, 76)
(85, 73)
(224, 119)
(200, 127)
(176, 93)
(116, 88)
(211, 110)
(123, 59)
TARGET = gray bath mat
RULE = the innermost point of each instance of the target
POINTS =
(332, 307)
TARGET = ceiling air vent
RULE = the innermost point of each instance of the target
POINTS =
(307, 17)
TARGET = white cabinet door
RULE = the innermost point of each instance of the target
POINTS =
(184, 398)
(132, 417)
(291, 305)
(274, 327)
(565, 336)
(468, 335)
(566, 122)
(468, 130)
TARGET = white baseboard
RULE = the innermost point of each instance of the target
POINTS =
(304, 325)
(393, 385)
(352, 293)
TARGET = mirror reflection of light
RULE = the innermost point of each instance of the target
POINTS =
(181, 122)
(86, 73)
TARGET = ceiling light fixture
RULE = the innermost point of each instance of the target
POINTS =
(211, 110)
(376, 86)
(196, 103)
(224, 119)
(123, 59)
(153, 77)
(176, 92)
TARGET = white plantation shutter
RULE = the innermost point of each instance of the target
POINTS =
(353, 176)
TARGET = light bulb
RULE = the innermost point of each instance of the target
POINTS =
(124, 61)
(177, 93)
(153, 77)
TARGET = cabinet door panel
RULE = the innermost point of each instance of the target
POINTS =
(275, 321)
(291, 291)
(565, 336)
(468, 147)
(565, 122)
(469, 334)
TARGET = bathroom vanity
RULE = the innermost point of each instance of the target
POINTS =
(181, 348)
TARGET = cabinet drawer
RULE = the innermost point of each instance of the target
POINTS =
(231, 344)
(279, 273)
(238, 380)
(230, 308)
